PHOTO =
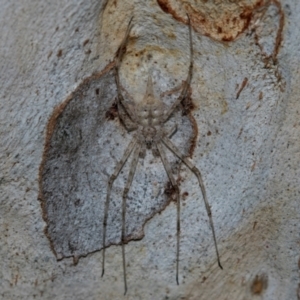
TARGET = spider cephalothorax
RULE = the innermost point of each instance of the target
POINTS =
(147, 119)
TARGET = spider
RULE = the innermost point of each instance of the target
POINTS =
(147, 120)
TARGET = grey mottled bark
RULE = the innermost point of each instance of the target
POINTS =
(246, 110)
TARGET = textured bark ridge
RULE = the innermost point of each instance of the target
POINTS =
(84, 142)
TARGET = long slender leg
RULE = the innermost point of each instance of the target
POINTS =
(125, 193)
(172, 91)
(175, 185)
(172, 131)
(118, 60)
(188, 79)
(125, 119)
(111, 180)
(196, 171)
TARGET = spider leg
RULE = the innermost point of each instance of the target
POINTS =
(187, 81)
(111, 180)
(172, 131)
(175, 185)
(125, 193)
(118, 59)
(125, 119)
(172, 91)
(196, 171)
(127, 94)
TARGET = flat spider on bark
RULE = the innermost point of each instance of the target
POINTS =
(147, 119)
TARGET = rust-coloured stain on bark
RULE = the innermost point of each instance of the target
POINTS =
(245, 81)
(223, 21)
(259, 284)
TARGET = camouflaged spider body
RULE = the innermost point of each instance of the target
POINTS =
(147, 119)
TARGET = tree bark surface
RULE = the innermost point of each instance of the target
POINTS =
(241, 129)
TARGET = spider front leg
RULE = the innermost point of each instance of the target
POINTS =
(125, 193)
(111, 180)
(196, 171)
(187, 82)
(175, 185)
(118, 59)
(172, 91)
(125, 119)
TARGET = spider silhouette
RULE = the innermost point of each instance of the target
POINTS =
(147, 119)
